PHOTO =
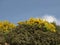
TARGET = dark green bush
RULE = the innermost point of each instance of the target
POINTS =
(24, 36)
(2, 38)
(31, 33)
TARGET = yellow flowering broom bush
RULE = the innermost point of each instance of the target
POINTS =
(34, 31)
(5, 26)
(39, 24)
(32, 23)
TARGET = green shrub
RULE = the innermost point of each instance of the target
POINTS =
(31, 32)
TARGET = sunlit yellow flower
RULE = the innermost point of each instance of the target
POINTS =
(40, 22)
(6, 25)
(1, 24)
(12, 25)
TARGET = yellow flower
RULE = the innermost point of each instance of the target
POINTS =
(6, 25)
(11, 25)
(40, 22)
(1, 24)
(53, 30)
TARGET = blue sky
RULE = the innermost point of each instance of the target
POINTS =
(17, 10)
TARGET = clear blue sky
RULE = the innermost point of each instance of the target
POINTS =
(17, 10)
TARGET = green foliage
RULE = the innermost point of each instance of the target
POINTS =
(2, 38)
(35, 37)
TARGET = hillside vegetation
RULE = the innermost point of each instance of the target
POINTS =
(34, 31)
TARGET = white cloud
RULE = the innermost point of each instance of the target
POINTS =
(58, 22)
(50, 19)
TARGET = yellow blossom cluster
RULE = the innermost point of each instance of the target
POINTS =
(36, 23)
(41, 23)
(6, 26)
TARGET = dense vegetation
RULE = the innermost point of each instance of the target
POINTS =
(34, 31)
